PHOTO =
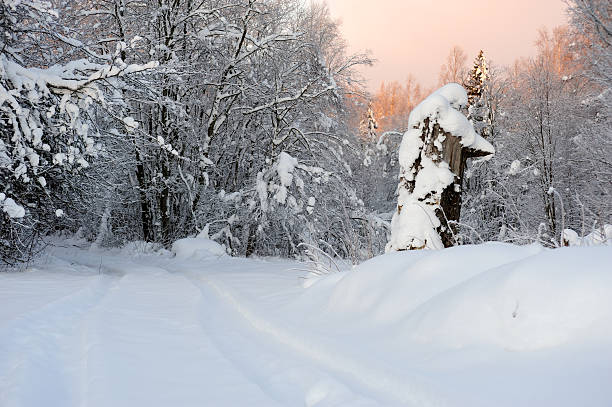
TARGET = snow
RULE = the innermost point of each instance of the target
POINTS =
(12, 208)
(409, 151)
(515, 167)
(442, 106)
(132, 124)
(197, 247)
(311, 203)
(416, 225)
(139, 247)
(432, 177)
(597, 237)
(486, 325)
(285, 166)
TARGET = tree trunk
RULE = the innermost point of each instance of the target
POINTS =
(145, 210)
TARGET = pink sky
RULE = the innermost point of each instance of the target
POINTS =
(415, 36)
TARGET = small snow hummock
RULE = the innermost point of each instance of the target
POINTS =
(311, 204)
(198, 248)
(515, 167)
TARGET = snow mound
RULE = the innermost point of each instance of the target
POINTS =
(516, 298)
(285, 168)
(197, 247)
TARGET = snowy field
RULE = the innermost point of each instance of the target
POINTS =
(488, 325)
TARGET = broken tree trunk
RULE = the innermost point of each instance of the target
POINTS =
(432, 158)
(456, 156)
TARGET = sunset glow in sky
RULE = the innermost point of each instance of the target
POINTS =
(414, 36)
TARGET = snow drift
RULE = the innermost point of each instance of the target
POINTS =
(516, 298)
(475, 326)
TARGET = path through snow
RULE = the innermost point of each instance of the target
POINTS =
(111, 329)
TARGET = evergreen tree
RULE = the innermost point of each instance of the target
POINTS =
(475, 183)
(477, 78)
(479, 107)
(368, 126)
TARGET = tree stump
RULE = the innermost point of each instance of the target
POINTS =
(456, 156)
(433, 156)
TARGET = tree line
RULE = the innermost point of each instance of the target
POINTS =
(247, 122)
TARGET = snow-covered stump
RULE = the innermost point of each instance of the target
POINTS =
(432, 159)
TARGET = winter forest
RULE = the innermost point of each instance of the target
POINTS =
(210, 203)
(248, 122)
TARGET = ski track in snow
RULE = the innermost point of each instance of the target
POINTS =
(117, 329)
(123, 340)
(161, 325)
(337, 376)
(47, 347)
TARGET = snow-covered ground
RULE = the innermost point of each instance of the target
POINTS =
(487, 325)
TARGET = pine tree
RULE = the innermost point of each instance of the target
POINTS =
(479, 106)
(368, 126)
(478, 76)
(480, 114)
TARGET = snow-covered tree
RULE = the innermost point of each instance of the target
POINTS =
(479, 109)
(47, 134)
(241, 84)
(368, 126)
(477, 78)
(550, 171)
(592, 20)
(591, 46)
(483, 96)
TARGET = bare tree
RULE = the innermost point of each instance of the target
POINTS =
(455, 69)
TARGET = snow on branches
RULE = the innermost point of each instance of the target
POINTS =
(47, 135)
(277, 181)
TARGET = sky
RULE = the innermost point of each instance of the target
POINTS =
(415, 36)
